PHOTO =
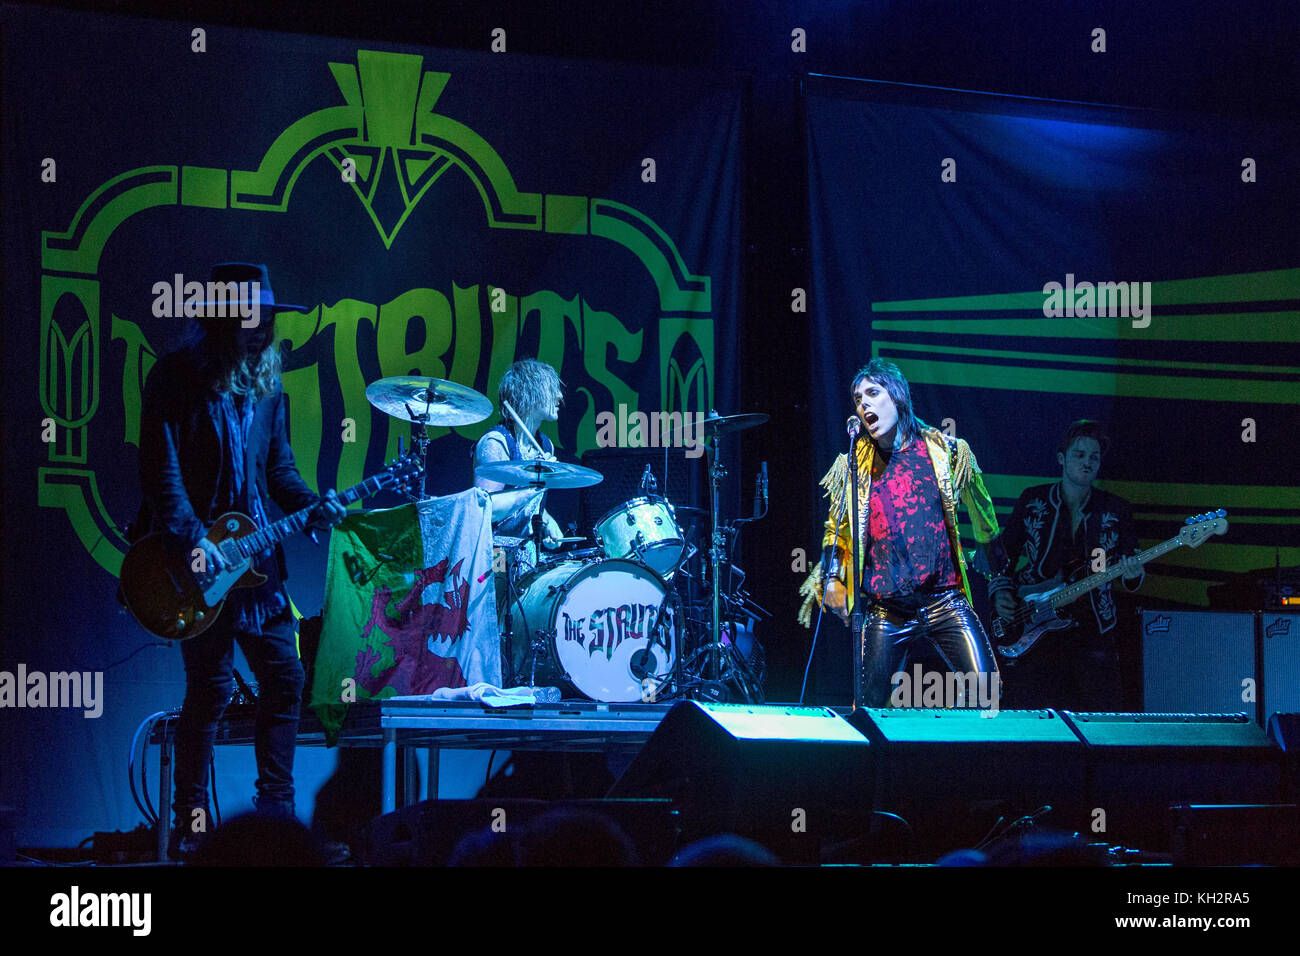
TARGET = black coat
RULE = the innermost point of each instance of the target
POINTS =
(1041, 513)
(182, 455)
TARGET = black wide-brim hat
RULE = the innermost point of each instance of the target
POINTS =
(247, 272)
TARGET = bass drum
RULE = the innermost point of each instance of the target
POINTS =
(596, 621)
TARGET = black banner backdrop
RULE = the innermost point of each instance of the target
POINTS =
(439, 213)
(938, 220)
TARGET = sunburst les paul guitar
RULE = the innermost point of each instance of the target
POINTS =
(177, 596)
(1037, 615)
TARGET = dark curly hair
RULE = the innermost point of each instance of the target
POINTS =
(1085, 428)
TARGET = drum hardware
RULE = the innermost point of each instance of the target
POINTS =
(537, 648)
(716, 426)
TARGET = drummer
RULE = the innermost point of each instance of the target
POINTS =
(532, 389)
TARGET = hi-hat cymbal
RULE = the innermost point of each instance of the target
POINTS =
(428, 401)
(550, 474)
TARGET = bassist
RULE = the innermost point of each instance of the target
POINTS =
(1053, 529)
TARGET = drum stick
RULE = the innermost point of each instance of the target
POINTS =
(522, 427)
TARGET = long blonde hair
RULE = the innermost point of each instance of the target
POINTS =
(528, 385)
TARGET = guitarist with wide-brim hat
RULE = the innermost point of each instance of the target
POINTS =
(1056, 529)
(213, 440)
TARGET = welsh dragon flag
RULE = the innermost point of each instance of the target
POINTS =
(409, 605)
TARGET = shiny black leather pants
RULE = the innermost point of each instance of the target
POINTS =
(890, 629)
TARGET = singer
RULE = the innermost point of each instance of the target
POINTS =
(909, 561)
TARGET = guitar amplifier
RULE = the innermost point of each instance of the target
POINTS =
(1196, 661)
(1281, 662)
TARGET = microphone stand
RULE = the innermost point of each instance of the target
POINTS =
(855, 619)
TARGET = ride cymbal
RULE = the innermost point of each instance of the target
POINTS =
(428, 401)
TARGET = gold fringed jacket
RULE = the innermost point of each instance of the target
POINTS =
(958, 475)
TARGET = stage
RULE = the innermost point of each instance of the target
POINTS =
(949, 772)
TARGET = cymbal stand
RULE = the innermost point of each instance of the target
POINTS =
(717, 542)
(676, 641)
(420, 434)
(537, 642)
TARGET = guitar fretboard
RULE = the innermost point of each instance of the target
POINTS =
(1079, 588)
(277, 531)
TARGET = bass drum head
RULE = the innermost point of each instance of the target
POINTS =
(533, 609)
(602, 628)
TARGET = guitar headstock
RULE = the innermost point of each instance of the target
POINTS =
(1200, 527)
(404, 471)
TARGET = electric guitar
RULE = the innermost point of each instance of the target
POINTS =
(177, 596)
(1037, 614)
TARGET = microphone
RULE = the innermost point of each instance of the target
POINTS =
(764, 479)
(853, 426)
(648, 483)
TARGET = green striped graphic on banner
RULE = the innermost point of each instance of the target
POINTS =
(1268, 286)
(1100, 359)
(1056, 381)
(1280, 326)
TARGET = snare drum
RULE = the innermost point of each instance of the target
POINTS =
(643, 529)
(596, 621)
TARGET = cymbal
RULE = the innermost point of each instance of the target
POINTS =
(717, 424)
(428, 401)
(551, 474)
(726, 424)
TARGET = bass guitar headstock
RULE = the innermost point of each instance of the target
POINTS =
(1200, 527)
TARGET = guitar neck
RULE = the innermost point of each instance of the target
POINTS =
(277, 531)
(1081, 587)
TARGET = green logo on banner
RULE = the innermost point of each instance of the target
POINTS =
(390, 147)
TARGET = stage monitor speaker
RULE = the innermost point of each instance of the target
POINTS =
(1284, 730)
(951, 774)
(1196, 661)
(1281, 662)
(791, 778)
(504, 832)
(1139, 765)
(1250, 835)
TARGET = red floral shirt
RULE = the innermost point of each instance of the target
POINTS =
(908, 549)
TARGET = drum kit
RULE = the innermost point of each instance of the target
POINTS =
(638, 617)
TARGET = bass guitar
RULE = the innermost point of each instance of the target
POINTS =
(177, 596)
(1036, 615)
